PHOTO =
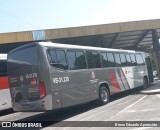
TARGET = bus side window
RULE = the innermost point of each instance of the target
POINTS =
(76, 60)
(117, 60)
(90, 60)
(96, 58)
(3, 68)
(104, 59)
(111, 61)
(139, 59)
(71, 58)
(123, 59)
(80, 60)
(129, 63)
(52, 56)
(58, 59)
(93, 59)
(133, 60)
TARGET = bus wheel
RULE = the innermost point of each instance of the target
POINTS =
(103, 95)
(145, 82)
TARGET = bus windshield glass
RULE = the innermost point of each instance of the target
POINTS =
(3, 68)
(17, 60)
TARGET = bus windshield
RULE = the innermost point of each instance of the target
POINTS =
(17, 60)
(3, 68)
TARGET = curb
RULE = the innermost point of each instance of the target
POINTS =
(149, 92)
(152, 89)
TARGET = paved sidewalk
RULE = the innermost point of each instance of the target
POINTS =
(153, 89)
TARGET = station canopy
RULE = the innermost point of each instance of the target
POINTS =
(135, 35)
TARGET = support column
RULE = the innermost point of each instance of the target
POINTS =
(156, 49)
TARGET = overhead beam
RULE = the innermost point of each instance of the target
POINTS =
(131, 43)
(142, 38)
(115, 38)
(98, 41)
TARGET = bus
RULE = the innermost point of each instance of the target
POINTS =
(46, 76)
(5, 98)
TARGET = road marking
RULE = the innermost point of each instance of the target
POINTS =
(127, 107)
(145, 110)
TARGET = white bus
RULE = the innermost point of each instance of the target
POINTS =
(5, 98)
(46, 76)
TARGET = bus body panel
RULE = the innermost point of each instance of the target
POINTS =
(5, 98)
(65, 88)
(4, 82)
(44, 77)
(129, 77)
(37, 105)
(24, 78)
(74, 86)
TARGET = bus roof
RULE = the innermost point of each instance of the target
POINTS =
(68, 46)
(3, 56)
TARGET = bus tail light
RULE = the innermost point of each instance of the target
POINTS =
(42, 89)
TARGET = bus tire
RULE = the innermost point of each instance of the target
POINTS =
(103, 95)
(145, 82)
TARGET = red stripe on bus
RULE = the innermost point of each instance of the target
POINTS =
(114, 81)
(4, 83)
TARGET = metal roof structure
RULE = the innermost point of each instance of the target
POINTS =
(128, 35)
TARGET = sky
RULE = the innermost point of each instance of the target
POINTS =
(24, 15)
